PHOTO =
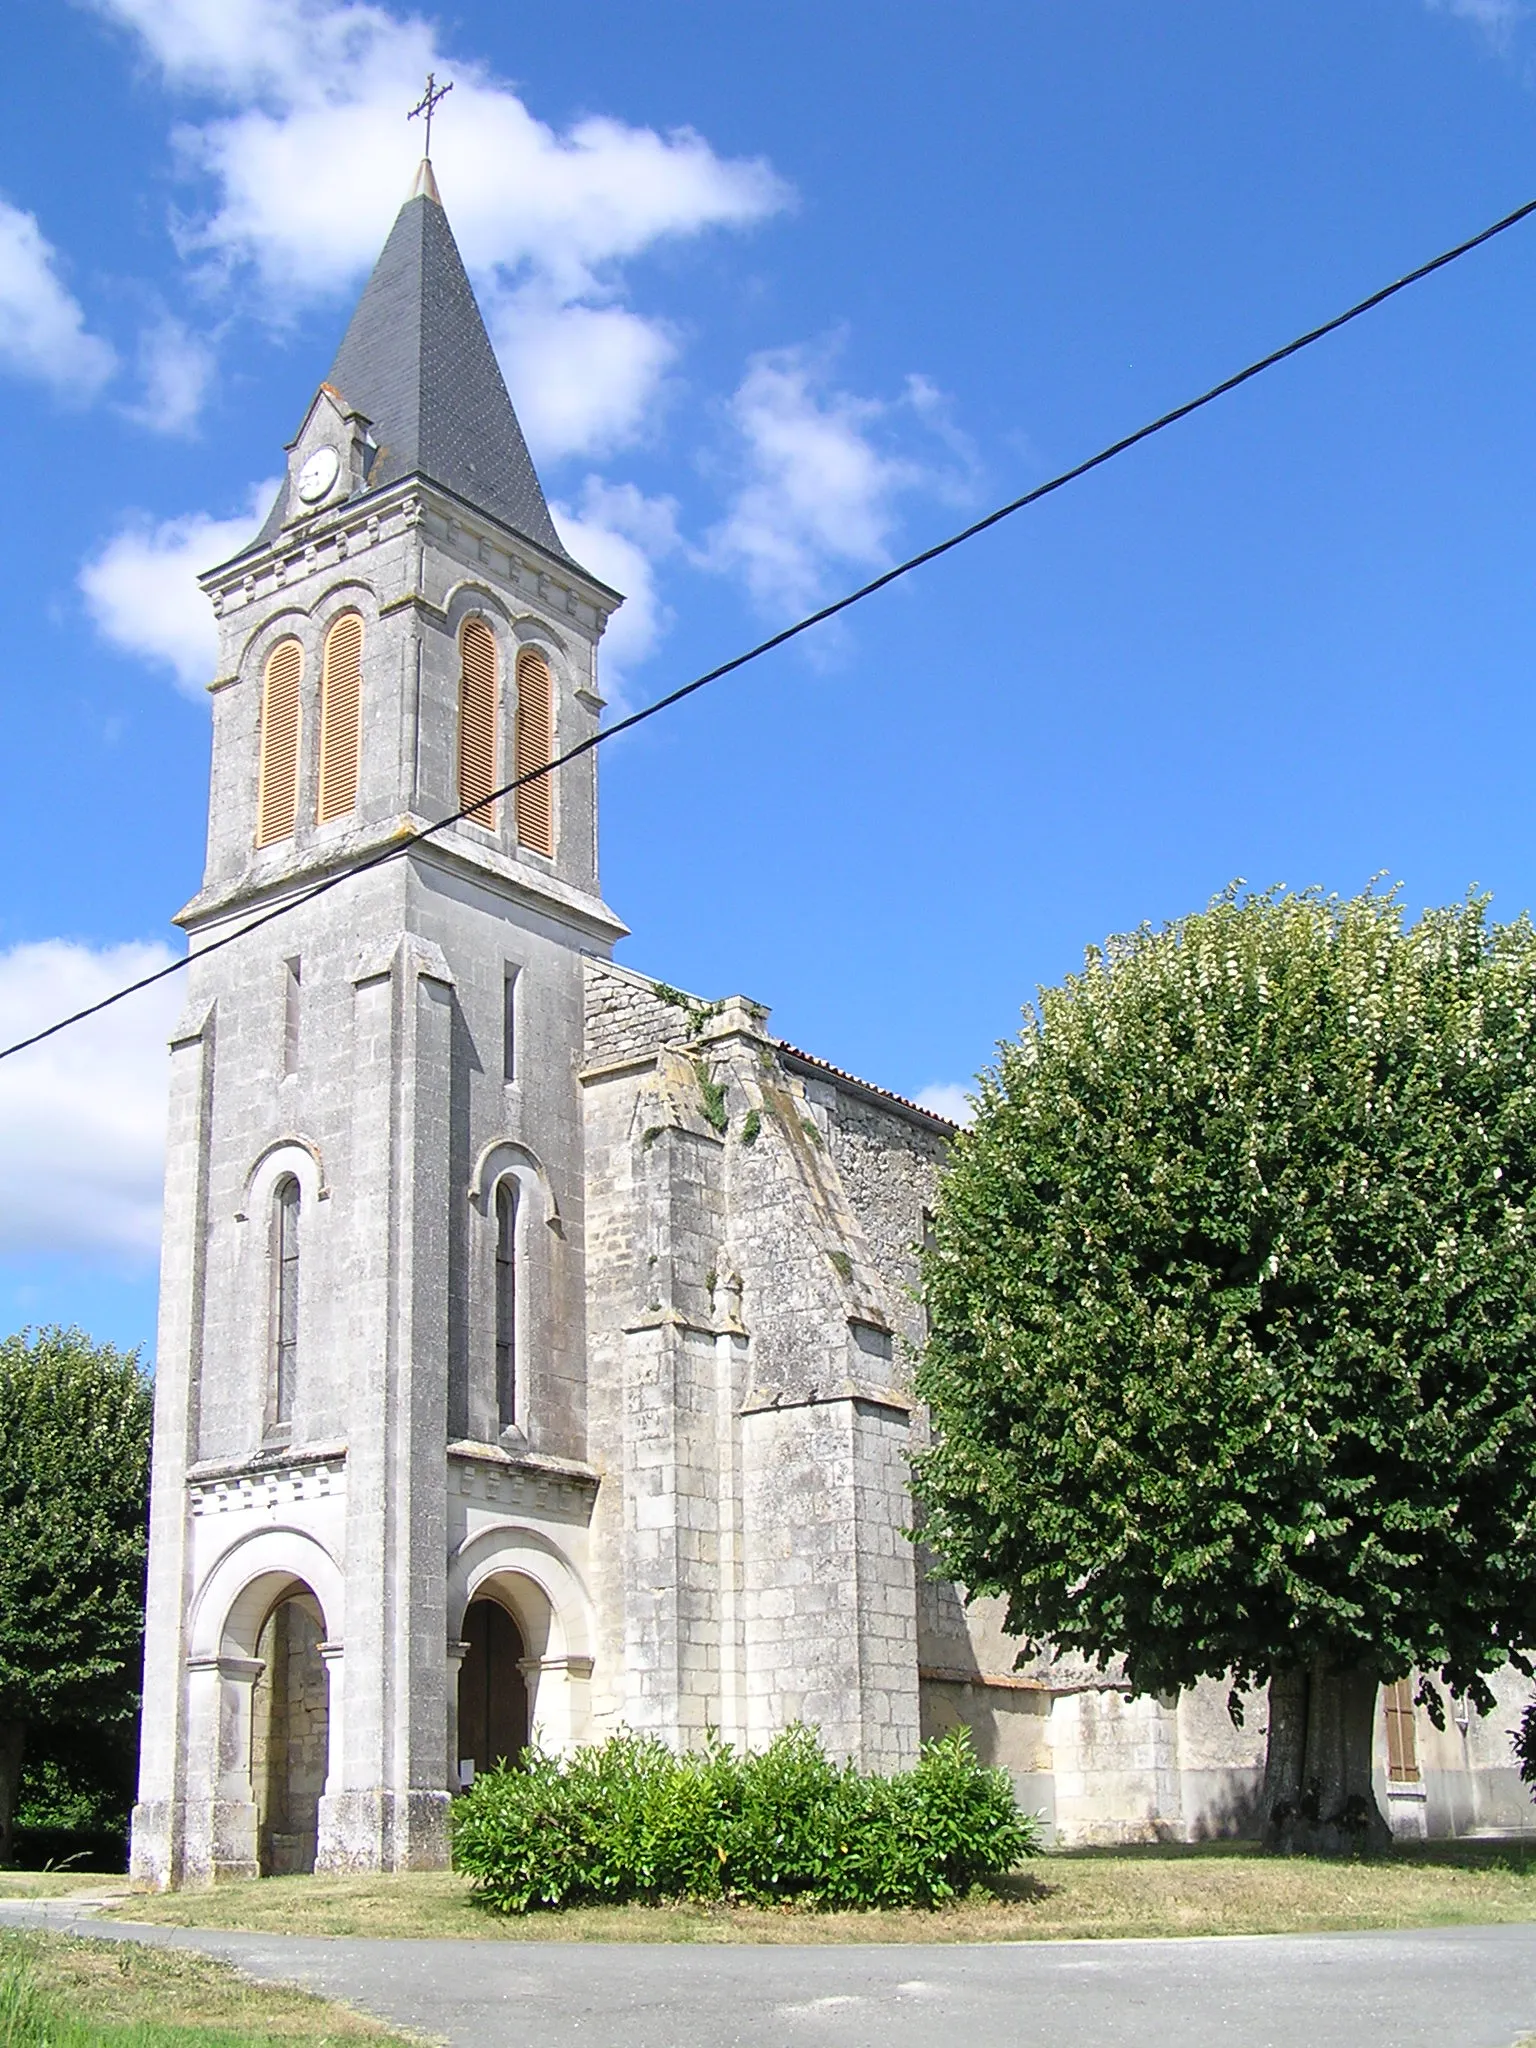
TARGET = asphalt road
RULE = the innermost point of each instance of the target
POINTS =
(1459, 1987)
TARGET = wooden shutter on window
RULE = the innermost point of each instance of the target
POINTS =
(341, 689)
(277, 795)
(535, 749)
(477, 720)
(1402, 1741)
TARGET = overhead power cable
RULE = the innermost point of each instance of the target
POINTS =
(407, 840)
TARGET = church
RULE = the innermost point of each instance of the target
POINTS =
(536, 1339)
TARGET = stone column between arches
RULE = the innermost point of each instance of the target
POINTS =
(220, 1838)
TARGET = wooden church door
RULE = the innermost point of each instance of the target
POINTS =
(493, 1694)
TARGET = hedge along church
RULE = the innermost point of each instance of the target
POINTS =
(534, 1343)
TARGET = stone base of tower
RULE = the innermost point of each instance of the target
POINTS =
(206, 1842)
(383, 1831)
(202, 1842)
(153, 1856)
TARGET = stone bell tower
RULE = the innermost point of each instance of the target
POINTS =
(373, 1260)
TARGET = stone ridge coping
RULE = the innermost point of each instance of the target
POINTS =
(947, 1674)
(807, 1062)
(792, 1055)
(645, 982)
(282, 1458)
(613, 1070)
(539, 1463)
(762, 1401)
(954, 1674)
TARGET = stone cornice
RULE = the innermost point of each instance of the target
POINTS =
(525, 1461)
(361, 523)
(448, 850)
(283, 1459)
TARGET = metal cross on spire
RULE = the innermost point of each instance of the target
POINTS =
(427, 104)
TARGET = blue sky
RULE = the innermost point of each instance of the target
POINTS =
(782, 294)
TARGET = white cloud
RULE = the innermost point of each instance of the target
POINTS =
(821, 474)
(82, 1117)
(1496, 18)
(42, 328)
(141, 589)
(583, 376)
(947, 1098)
(175, 368)
(620, 535)
(311, 162)
(238, 48)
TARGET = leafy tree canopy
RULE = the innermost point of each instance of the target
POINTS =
(1232, 1298)
(74, 1492)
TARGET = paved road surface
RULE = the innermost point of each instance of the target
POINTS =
(1461, 1987)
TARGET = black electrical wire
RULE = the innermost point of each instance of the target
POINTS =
(406, 841)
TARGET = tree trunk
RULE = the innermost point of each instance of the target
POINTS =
(13, 1740)
(1318, 1796)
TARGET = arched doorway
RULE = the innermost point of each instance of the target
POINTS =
(493, 1694)
(290, 1735)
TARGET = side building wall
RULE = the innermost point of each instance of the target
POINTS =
(749, 1396)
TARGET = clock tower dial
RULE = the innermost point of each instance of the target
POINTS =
(318, 476)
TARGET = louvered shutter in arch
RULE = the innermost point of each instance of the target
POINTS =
(341, 689)
(477, 720)
(535, 749)
(277, 797)
(1402, 1736)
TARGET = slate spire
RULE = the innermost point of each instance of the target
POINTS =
(417, 361)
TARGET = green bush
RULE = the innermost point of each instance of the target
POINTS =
(631, 1821)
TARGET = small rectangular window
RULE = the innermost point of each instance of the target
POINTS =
(509, 1026)
(291, 1016)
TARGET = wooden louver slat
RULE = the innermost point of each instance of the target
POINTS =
(277, 795)
(535, 749)
(341, 689)
(477, 720)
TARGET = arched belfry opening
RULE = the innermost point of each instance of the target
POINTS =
(290, 1735)
(493, 1692)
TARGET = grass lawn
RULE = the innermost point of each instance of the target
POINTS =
(57, 1992)
(56, 1884)
(1222, 1888)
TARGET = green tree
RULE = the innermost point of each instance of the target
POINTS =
(1232, 1298)
(74, 1497)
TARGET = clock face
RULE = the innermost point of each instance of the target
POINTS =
(318, 474)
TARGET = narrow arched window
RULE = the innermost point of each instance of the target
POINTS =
(277, 797)
(506, 1301)
(341, 690)
(285, 1296)
(477, 720)
(535, 749)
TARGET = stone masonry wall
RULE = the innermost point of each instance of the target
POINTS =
(749, 1412)
(625, 1016)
